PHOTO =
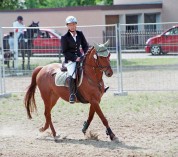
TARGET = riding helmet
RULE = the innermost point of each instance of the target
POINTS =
(71, 19)
(20, 18)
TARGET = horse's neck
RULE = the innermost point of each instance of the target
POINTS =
(92, 71)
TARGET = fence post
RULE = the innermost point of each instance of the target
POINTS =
(1, 81)
(16, 50)
(2, 69)
(120, 91)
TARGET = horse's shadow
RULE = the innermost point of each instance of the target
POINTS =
(96, 143)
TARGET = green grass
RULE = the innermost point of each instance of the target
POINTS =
(125, 62)
(150, 61)
(34, 62)
(134, 103)
(147, 61)
(138, 102)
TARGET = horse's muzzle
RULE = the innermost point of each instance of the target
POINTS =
(108, 72)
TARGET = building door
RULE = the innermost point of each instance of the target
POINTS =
(110, 32)
(112, 19)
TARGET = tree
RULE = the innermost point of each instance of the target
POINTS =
(35, 4)
(69, 3)
(28, 4)
(104, 2)
(10, 4)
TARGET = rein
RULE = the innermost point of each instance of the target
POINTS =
(98, 65)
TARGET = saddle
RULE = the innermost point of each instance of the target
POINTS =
(61, 77)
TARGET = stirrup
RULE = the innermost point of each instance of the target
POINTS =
(72, 98)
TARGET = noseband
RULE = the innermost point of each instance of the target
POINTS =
(99, 65)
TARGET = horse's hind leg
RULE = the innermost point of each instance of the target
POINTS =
(49, 103)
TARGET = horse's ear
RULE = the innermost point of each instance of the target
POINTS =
(95, 46)
(106, 44)
(92, 53)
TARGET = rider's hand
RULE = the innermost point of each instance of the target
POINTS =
(78, 59)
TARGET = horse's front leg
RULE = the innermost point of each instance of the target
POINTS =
(90, 118)
(23, 59)
(98, 110)
(28, 64)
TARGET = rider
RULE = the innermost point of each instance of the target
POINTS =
(19, 26)
(18, 35)
(70, 44)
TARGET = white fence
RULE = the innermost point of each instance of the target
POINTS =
(42, 47)
(134, 70)
(2, 79)
(156, 70)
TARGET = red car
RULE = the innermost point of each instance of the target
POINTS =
(163, 43)
(48, 42)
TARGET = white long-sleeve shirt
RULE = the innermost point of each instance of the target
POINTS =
(19, 28)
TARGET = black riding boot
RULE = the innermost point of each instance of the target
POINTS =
(72, 90)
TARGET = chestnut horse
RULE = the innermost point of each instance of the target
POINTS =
(96, 61)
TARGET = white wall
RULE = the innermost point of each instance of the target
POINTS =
(170, 11)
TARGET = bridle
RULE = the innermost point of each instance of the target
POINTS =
(101, 67)
(98, 64)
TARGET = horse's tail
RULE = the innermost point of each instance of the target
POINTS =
(29, 100)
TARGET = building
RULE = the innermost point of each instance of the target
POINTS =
(123, 11)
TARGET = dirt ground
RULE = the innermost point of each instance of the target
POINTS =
(144, 128)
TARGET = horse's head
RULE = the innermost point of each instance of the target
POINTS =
(100, 56)
(33, 32)
(34, 24)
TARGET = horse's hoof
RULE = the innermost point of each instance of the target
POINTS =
(116, 139)
(56, 138)
(85, 127)
(41, 129)
(112, 137)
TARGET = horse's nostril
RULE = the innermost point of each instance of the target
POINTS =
(109, 74)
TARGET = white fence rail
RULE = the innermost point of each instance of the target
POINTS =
(156, 70)
(134, 70)
(134, 36)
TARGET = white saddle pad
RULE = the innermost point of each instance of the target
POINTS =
(60, 78)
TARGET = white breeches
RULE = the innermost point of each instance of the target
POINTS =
(71, 69)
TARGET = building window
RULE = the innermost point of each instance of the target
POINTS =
(131, 19)
(150, 18)
(131, 34)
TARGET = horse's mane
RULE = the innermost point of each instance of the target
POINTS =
(89, 50)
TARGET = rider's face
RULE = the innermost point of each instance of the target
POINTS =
(20, 21)
(72, 26)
